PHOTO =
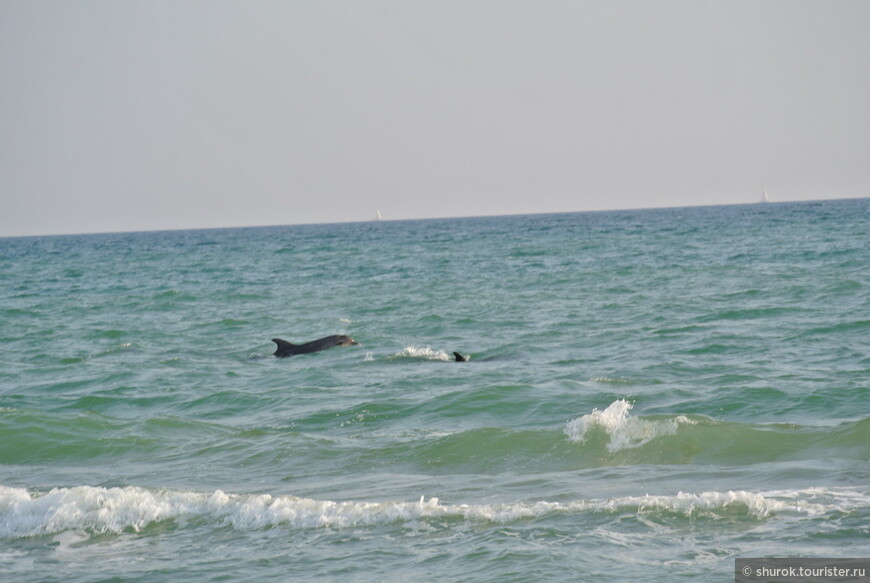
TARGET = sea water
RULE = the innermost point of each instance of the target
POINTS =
(649, 395)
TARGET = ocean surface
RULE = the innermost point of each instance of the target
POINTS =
(650, 394)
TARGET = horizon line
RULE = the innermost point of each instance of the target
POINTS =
(388, 220)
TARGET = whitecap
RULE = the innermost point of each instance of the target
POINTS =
(624, 431)
(86, 509)
(426, 353)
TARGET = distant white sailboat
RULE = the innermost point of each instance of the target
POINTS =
(379, 216)
(764, 195)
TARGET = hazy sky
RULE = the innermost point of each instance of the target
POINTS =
(123, 115)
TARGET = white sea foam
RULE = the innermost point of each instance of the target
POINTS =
(625, 431)
(426, 353)
(116, 510)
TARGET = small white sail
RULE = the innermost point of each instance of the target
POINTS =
(379, 216)
(764, 195)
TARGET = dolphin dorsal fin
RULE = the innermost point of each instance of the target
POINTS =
(460, 358)
(283, 346)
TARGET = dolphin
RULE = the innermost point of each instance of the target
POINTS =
(289, 349)
(460, 358)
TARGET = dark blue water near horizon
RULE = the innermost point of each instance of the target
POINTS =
(650, 394)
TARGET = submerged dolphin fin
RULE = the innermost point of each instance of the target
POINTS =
(460, 358)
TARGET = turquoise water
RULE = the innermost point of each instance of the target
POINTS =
(650, 394)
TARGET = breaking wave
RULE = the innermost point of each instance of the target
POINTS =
(131, 509)
(615, 436)
(624, 431)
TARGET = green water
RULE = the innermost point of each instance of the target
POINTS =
(649, 395)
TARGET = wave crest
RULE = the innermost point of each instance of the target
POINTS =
(116, 510)
(623, 430)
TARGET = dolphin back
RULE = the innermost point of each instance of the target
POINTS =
(289, 349)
